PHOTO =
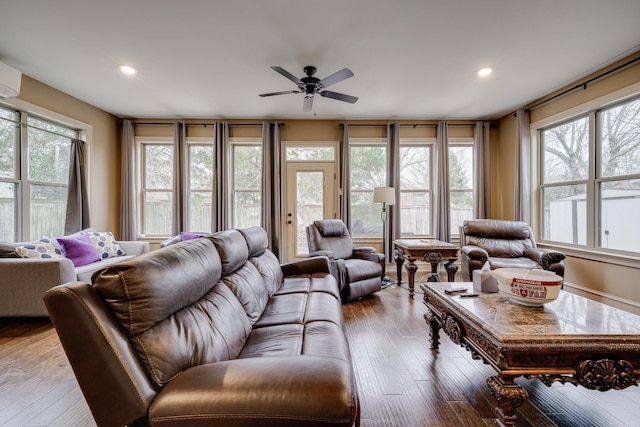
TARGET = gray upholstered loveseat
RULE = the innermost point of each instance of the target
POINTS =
(23, 281)
(210, 332)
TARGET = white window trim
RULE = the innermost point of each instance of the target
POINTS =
(139, 142)
(588, 253)
(418, 142)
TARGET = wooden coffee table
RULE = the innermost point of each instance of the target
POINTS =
(570, 340)
(430, 250)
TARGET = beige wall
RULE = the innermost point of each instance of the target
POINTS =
(610, 281)
(104, 148)
(594, 275)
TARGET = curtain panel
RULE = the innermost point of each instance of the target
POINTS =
(220, 198)
(128, 205)
(443, 221)
(522, 208)
(393, 165)
(481, 170)
(271, 181)
(77, 217)
(178, 218)
(345, 202)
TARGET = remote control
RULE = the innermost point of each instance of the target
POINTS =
(469, 295)
(454, 290)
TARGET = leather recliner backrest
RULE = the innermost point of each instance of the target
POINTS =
(330, 235)
(500, 238)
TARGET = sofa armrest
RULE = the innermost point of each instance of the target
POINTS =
(134, 247)
(171, 240)
(369, 254)
(544, 257)
(265, 391)
(23, 282)
(329, 254)
(318, 264)
(475, 252)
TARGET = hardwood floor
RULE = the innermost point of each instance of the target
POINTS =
(401, 381)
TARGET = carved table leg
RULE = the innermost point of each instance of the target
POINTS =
(509, 396)
(434, 329)
(434, 259)
(399, 258)
(451, 268)
(411, 270)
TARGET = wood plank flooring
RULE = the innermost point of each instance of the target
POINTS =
(401, 381)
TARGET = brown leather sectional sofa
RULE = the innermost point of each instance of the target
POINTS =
(210, 332)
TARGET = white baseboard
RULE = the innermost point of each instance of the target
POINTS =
(605, 298)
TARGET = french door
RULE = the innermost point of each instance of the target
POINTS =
(309, 190)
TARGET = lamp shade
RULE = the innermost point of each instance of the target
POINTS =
(384, 195)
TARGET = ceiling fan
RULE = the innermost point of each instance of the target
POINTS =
(310, 85)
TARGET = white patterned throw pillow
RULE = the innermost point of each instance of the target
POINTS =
(106, 244)
(41, 249)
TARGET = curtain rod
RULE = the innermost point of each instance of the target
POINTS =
(201, 124)
(414, 125)
(583, 85)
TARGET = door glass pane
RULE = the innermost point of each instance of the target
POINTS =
(48, 211)
(317, 153)
(619, 206)
(8, 211)
(309, 207)
(565, 213)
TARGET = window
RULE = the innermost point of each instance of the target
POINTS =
(460, 184)
(200, 184)
(590, 179)
(247, 184)
(156, 186)
(368, 170)
(34, 174)
(416, 194)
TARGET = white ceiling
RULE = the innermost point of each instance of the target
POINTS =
(412, 59)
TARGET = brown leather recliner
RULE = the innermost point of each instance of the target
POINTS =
(504, 244)
(359, 271)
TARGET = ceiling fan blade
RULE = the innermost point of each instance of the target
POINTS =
(287, 74)
(339, 96)
(307, 105)
(336, 77)
(285, 92)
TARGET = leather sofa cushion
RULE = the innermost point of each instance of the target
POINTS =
(498, 229)
(145, 290)
(257, 240)
(247, 285)
(520, 262)
(360, 269)
(501, 248)
(269, 268)
(211, 330)
(232, 248)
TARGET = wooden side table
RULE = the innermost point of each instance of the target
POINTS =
(429, 250)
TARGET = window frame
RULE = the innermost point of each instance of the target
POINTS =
(466, 143)
(431, 144)
(196, 142)
(23, 111)
(592, 250)
(242, 142)
(140, 142)
(366, 142)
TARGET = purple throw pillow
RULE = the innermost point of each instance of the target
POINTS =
(79, 249)
(185, 235)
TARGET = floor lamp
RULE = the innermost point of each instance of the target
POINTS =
(386, 196)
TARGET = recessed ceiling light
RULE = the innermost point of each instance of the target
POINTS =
(128, 70)
(484, 72)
